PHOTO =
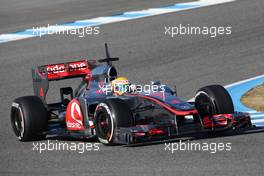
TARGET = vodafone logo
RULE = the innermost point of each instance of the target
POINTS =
(79, 66)
(76, 112)
(60, 68)
(73, 125)
(56, 68)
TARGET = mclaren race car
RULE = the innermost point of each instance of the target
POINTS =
(132, 117)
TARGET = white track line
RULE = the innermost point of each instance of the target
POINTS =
(111, 19)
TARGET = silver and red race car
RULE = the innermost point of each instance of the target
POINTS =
(134, 117)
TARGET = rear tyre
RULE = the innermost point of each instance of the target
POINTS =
(29, 118)
(213, 99)
(109, 116)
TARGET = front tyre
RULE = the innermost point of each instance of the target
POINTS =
(213, 99)
(109, 116)
(29, 118)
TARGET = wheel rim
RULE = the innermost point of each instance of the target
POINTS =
(104, 126)
(17, 123)
(205, 105)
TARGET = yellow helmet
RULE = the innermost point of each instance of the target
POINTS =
(120, 85)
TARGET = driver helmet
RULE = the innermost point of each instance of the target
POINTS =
(120, 85)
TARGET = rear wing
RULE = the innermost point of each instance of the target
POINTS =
(54, 72)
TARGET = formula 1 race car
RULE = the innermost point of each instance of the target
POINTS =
(134, 117)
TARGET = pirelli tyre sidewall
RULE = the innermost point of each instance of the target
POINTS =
(217, 97)
(29, 118)
(109, 116)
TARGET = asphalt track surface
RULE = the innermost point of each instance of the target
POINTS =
(145, 54)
